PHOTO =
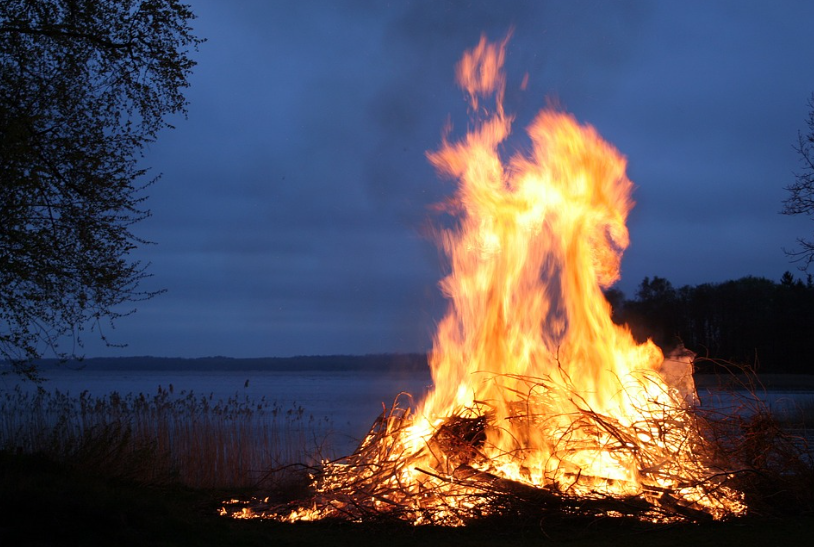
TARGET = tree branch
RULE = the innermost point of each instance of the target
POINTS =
(62, 31)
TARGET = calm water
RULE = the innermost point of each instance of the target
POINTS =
(782, 403)
(350, 400)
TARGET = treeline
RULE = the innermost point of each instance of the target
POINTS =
(750, 321)
(390, 362)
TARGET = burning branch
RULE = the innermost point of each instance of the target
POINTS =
(451, 480)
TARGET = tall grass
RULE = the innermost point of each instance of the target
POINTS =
(198, 441)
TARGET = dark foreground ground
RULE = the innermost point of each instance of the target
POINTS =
(42, 503)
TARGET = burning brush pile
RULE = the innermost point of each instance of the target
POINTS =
(540, 403)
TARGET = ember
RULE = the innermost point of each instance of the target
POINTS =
(540, 402)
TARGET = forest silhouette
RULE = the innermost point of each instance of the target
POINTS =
(752, 321)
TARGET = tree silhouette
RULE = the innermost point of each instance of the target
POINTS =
(749, 321)
(84, 86)
(655, 312)
(801, 193)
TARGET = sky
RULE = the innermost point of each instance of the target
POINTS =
(292, 213)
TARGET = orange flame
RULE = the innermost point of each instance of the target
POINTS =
(528, 338)
(537, 240)
(534, 385)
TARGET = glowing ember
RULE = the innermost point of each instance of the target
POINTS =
(539, 399)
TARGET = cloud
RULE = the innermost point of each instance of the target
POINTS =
(294, 198)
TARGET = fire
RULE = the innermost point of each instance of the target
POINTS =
(537, 240)
(538, 397)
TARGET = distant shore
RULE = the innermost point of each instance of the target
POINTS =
(388, 362)
(758, 382)
(402, 362)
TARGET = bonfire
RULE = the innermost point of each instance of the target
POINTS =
(540, 403)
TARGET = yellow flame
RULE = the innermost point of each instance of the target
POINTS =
(537, 240)
(533, 382)
(528, 338)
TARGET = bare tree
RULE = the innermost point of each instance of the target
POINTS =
(801, 193)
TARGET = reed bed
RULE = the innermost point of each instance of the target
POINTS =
(195, 440)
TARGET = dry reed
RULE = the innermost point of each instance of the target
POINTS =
(198, 441)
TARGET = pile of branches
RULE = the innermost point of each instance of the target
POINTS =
(376, 482)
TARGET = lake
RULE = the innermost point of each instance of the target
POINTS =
(349, 400)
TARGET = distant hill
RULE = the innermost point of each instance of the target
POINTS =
(391, 362)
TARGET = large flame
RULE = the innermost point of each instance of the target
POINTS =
(528, 339)
(534, 385)
(537, 240)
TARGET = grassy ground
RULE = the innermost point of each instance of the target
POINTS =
(45, 503)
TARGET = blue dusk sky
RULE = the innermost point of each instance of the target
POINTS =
(291, 213)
